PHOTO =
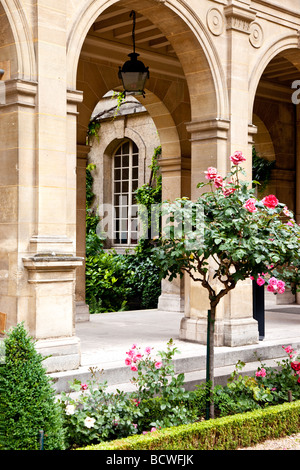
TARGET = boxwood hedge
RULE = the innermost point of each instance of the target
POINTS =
(227, 433)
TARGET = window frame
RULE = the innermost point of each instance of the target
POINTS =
(117, 231)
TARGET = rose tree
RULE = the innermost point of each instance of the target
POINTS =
(225, 236)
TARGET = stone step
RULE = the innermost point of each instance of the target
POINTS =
(118, 376)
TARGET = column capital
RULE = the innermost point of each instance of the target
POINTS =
(74, 97)
(18, 92)
(239, 18)
(209, 129)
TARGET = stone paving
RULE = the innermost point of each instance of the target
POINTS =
(106, 338)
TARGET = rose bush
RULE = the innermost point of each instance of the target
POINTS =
(226, 236)
(95, 415)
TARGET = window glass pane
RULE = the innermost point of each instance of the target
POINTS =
(125, 187)
(125, 161)
(125, 148)
(117, 187)
(135, 173)
(117, 175)
(135, 160)
(134, 211)
(117, 162)
(125, 174)
(135, 185)
(124, 212)
(134, 148)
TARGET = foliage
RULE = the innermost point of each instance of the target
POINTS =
(92, 131)
(98, 415)
(27, 401)
(148, 197)
(94, 244)
(143, 278)
(156, 377)
(226, 433)
(106, 289)
(121, 99)
(261, 170)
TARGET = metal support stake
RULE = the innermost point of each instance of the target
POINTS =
(208, 364)
(41, 433)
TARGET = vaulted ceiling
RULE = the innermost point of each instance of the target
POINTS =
(110, 39)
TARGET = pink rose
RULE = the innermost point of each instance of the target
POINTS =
(260, 373)
(270, 201)
(270, 288)
(133, 368)
(290, 223)
(295, 365)
(148, 350)
(83, 386)
(273, 281)
(228, 190)
(250, 205)
(237, 158)
(218, 181)
(127, 361)
(281, 287)
(286, 211)
(260, 281)
(158, 365)
(211, 173)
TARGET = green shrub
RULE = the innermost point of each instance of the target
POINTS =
(106, 290)
(227, 433)
(27, 398)
(116, 282)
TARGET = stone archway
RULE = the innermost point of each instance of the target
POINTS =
(182, 89)
(273, 106)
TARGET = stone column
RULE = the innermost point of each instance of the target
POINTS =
(49, 258)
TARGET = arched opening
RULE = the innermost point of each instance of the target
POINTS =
(277, 120)
(181, 88)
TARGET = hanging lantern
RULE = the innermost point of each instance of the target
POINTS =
(133, 73)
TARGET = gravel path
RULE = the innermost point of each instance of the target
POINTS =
(291, 442)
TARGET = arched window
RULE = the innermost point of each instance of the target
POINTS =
(125, 182)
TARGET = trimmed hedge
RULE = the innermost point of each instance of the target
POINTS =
(228, 433)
